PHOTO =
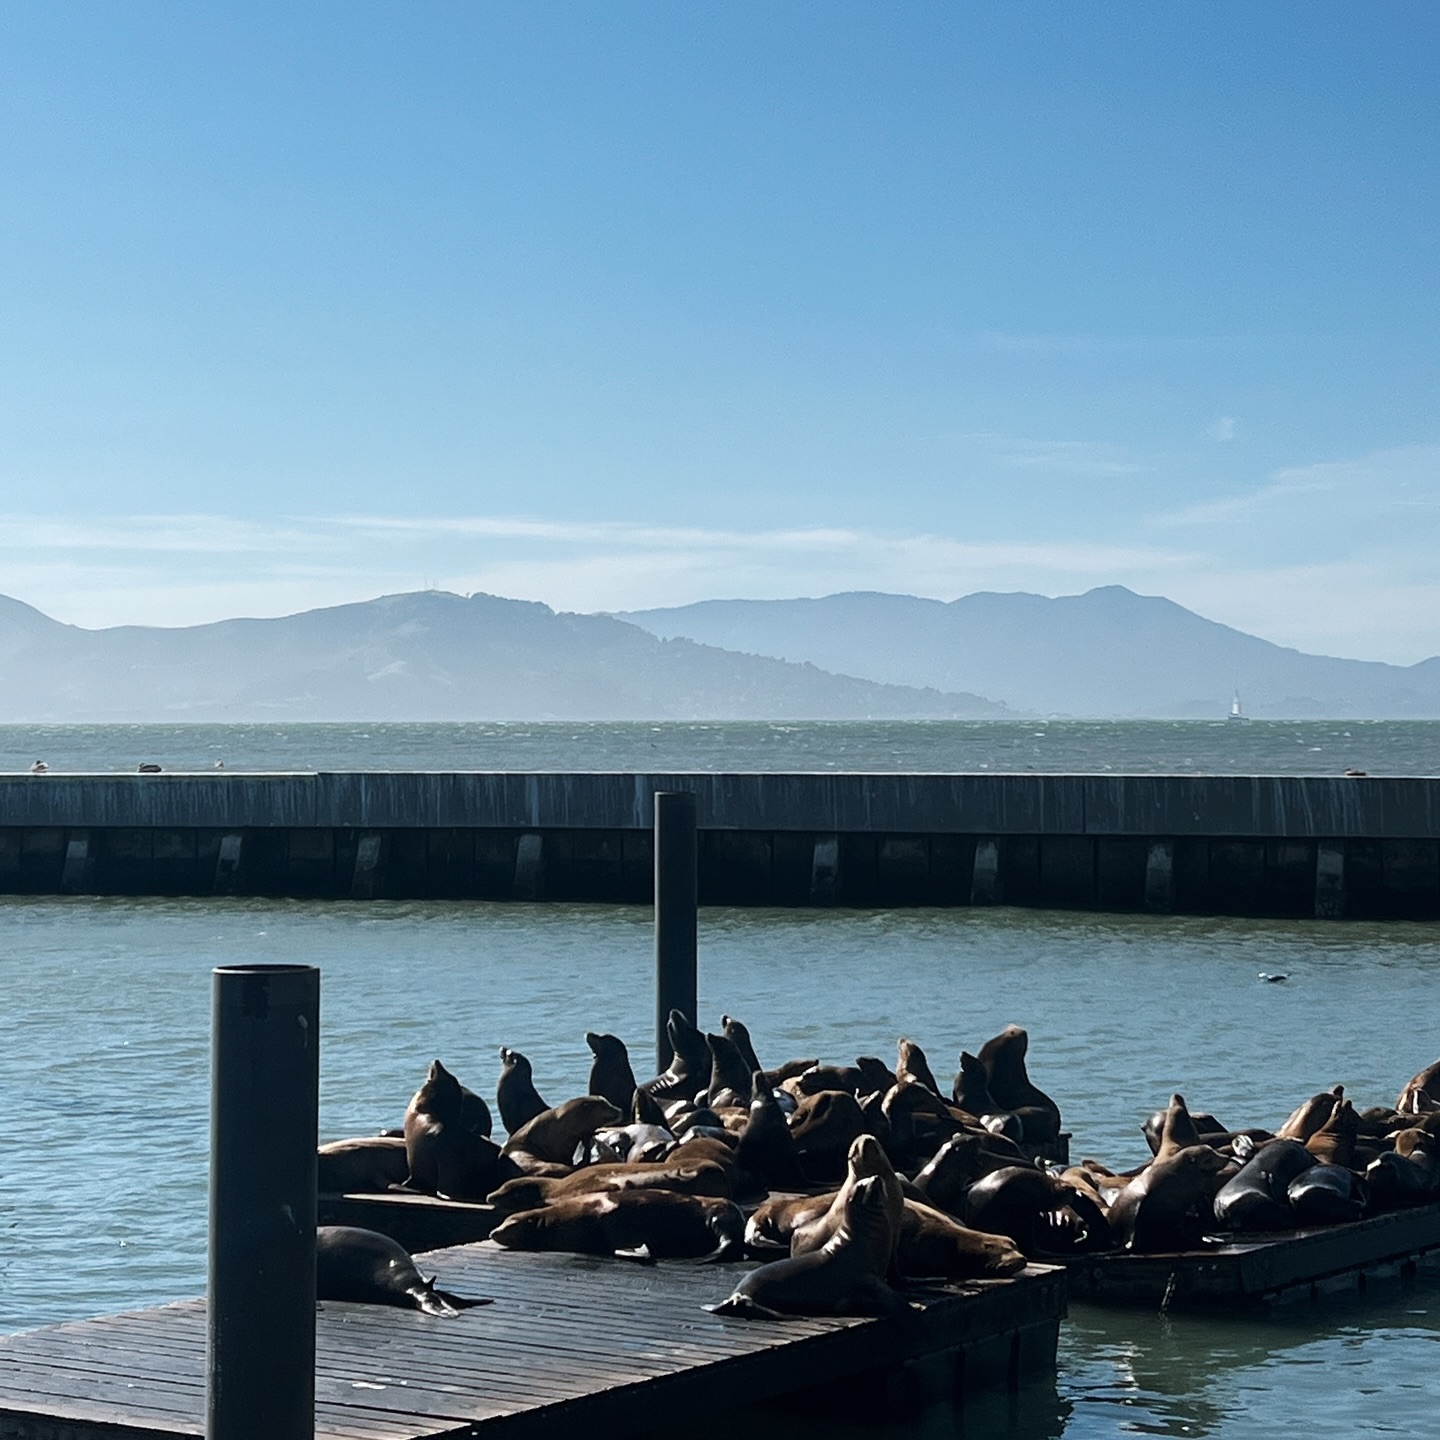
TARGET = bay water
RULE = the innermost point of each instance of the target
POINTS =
(104, 1074)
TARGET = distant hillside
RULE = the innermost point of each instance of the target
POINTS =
(425, 656)
(1108, 652)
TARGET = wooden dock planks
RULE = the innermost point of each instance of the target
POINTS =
(569, 1340)
(1259, 1270)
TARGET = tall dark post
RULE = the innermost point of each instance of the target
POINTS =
(675, 904)
(264, 1125)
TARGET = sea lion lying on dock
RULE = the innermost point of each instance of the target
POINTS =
(367, 1268)
(659, 1223)
(531, 1192)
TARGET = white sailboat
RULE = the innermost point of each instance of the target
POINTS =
(1236, 713)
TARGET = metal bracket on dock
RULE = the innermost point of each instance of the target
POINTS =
(985, 881)
(825, 870)
(1160, 877)
(530, 867)
(227, 865)
(1329, 882)
(364, 883)
(75, 878)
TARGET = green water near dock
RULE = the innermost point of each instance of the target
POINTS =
(104, 1072)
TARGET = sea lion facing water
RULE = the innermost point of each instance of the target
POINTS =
(910, 1064)
(515, 1094)
(367, 1268)
(610, 1074)
(837, 1279)
(553, 1135)
(665, 1224)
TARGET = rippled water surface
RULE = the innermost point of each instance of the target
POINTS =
(1260, 747)
(104, 1071)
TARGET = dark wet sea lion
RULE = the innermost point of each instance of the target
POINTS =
(1256, 1197)
(866, 1161)
(516, 1095)
(823, 1127)
(936, 1246)
(1010, 1202)
(368, 1165)
(911, 1064)
(920, 1121)
(367, 1268)
(645, 1109)
(1208, 1130)
(667, 1225)
(1396, 1178)
(739, 1036)
(1327, 1195)
(689, 1070)
(1003, 1057)
(444, 1154)
(790, 1070)
(554, 1134)
(971, 1088)
(731, 1076)
(837, 1279)
(1168, 1206)
(704, 1177)
(766, 1148)
(610, 1074)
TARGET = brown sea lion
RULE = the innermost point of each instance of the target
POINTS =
(1310, 1115)
(769, 1229)
(444, 1154)
(766, 1148)
(954, 1168)
(823, 1127)
(367, 1165)
(665, 1225)
(516, 1097)
(610, 1074)
(1334, 1142)
(367, 1268)
(731, 1078)
(912, 1065)
(1420, 1092)
(689, 1070)
(1170, 1204)
(837, 1279)
(920, 1122)
(1003, 1057)
(935, 1246)
(554, 1134)
(866, 1160)
(530, 1193)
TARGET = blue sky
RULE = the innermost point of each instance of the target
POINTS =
(635, 304)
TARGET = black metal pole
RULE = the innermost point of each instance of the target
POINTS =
(264, 1108)
(675, 904)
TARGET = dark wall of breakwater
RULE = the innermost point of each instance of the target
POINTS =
(1243, 845)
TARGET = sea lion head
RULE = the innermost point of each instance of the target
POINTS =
(514, 1061)
(441, 1095)
(606, 1046)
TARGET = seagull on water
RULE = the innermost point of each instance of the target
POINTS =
(1273, 979)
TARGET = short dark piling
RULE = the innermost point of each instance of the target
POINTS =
(264, 1108)
(676, 898)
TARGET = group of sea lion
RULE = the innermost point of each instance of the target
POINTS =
(1327, 1164)
(662, 1168)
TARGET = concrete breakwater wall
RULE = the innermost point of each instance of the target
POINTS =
(1277, 845)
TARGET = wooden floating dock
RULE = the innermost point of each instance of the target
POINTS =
(570, 1341)
(1263, 1270)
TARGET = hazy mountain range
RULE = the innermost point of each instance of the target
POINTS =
(1108, 652)
(423, 656)
(436, 656)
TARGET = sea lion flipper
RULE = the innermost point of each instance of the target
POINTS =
(640, 1254)
(747, 1309)
(463, 1302)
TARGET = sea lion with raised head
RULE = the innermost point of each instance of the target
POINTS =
(955, 1167)
(911, 1065)
(1003, 1057)
(515, 1094)
(866, 1160)
(553, 1135)
(610, 1074)
(367, 1268)
(1421, 1091)
(1170, 1204)
(837, 1279)
(666, 1225)
(731, 1077)
(766, 1148)
(1310, 1115)
(689, 1069)
(445, 1155)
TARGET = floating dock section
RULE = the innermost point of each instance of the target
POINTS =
(571, 1346)
(1262, 1270)
(1259, 845)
